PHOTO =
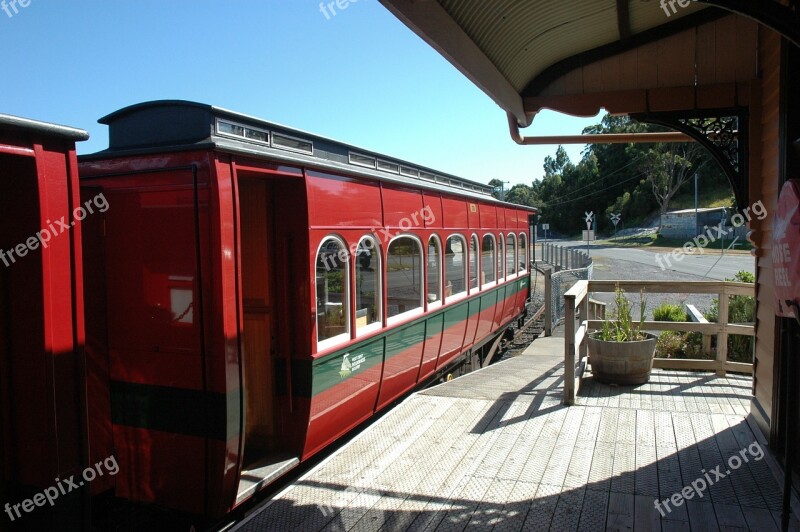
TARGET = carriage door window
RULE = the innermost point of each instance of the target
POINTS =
(404, 276)
(511, 260)
(434, 271)
(474, 255)
(487, 260)
(500, 258)
(523, 252)
(332, 288)
(368, 283)
(455, 263)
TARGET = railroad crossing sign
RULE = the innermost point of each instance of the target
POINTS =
(615, 218)
(589, 218)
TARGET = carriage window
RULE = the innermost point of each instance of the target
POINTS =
(368, 283)
(500, 258)
(434, 270)
(403, 276)
(455, 264)
(511, 249)
(332, 288)
(487, 260)
(473, 262)
(523, 252)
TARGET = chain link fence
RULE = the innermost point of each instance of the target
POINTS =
(558, 280)
(561, 282)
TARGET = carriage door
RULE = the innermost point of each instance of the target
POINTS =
(257, 256)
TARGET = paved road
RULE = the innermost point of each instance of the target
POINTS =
(710, 264)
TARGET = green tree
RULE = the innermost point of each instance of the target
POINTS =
(668, 166)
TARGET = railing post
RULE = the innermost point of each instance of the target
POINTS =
(563, 257)
(548, 302)
(722, 337)
(583, 349)
(569, 349)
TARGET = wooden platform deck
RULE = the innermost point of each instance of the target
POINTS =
(496, 450)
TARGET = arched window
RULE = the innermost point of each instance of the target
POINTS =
(511, 252)
(368, 283)
(333, 287)
(404, 276)
(524, 259)
(455, 266)
(488, 263)
(500, 258)
(474, 254)
(434, 270)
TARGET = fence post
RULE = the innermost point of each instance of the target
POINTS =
(722, 337)
(569, 349)
(563, 261)
(548, 302)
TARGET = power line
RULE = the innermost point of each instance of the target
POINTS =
(592, 184)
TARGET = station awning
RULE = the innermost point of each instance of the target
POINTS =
(577, 56)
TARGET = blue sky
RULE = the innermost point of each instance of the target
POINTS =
(359, 76)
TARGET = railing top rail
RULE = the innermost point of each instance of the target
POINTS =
(667, 287)
(578, 291)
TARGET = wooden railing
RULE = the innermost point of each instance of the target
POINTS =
(577, 304)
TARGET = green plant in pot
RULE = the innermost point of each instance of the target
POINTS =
(621, 352)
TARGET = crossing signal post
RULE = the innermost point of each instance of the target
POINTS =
(589, 234)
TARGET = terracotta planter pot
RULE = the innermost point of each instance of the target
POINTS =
(621, 362)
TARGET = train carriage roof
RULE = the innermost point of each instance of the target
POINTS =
(173, 125)
(43, 129)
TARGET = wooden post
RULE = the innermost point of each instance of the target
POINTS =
(722, 337)
(569, 349)
(548, 302)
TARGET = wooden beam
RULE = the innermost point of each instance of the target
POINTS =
(623, 20)
(718, 96)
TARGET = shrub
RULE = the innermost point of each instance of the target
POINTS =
(741, 309)
(669, 312)
(669, 345)
(674, 344)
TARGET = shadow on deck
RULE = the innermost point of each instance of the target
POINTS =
(497, 450)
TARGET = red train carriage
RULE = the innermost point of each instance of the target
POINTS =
(42, 400)
(258, 291)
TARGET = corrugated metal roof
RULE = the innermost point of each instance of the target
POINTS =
(507, 47)
(524, 37)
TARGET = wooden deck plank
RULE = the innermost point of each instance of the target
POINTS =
(620, 512)
(760, 519)
(730, 515)
(645, 517)
(701, 516)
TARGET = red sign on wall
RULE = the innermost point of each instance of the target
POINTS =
(786, 249)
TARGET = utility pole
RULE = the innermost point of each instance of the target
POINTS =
(503, 189)
(696, 221)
